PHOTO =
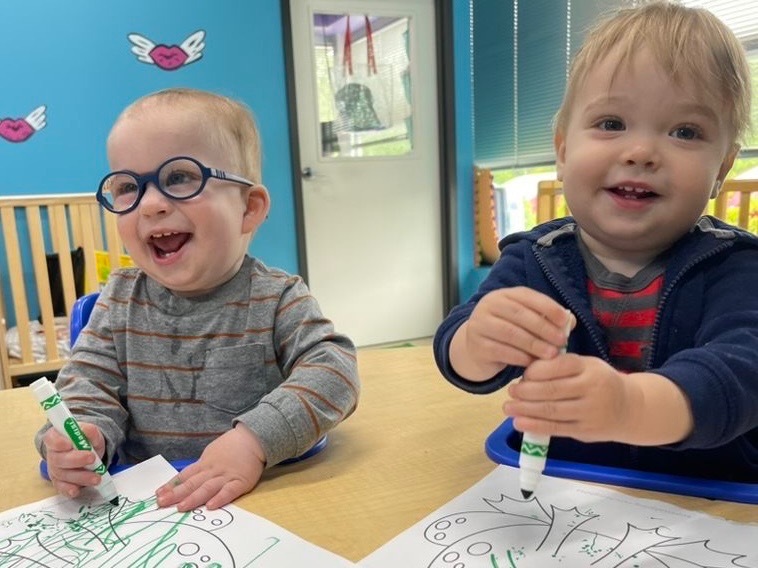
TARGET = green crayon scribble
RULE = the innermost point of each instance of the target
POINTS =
(134, 534)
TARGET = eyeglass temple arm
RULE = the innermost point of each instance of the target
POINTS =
(220, 174)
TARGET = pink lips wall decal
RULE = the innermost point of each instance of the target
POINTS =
(168, 57)
(21, 129)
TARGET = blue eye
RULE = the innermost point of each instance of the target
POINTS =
(178, 177)
(119, 186)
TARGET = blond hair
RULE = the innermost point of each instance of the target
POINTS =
(227, 123)
(688, 43)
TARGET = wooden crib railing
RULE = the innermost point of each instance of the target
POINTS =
(34, 227)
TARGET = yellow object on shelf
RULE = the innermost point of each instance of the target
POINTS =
(103, 260)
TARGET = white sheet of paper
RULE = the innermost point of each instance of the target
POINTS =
(565, 524)
(88, 533)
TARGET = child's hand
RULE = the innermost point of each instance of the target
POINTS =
(575, 396)
(66, 466)
(230, 466)
(510, 326)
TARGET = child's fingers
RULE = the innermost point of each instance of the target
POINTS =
(94, 435)
(539, 317)
(512, 340)
(229, 492)
(70, 460)
(496, 350)
(540, 303)
(56, 442)
(64, 488)
(564, 366)
(187, 489)
(200, 489)
(75, 477)
(68, 470)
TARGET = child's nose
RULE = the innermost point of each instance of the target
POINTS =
(641, 152)
(153, 202)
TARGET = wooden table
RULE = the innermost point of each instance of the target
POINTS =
(414, 443)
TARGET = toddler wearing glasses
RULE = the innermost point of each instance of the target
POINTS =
(200, 352)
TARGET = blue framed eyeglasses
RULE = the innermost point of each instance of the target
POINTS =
(177, 178)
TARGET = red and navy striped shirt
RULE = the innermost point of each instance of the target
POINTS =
(625, 307)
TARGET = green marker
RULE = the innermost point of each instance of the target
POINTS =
(533, 455)
(65, 423)
(531, 461)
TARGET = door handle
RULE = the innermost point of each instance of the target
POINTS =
(307, 173)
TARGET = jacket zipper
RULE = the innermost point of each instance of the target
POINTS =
(667, 293)
(566, 300)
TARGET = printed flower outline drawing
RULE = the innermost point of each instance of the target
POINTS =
(21, 129)
(168, 57)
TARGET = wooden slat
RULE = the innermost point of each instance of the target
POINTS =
(550, 200)
(744, 188)
(42, 279)
(114, 241)
(744, 214)
(16, 274)
(97, 228)
(485, 225)
(6, 380)
(76, 225)
(719, 206)
(88, 244)
(21, 369)
(44, 200)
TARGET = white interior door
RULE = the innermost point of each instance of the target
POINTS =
(368, 135)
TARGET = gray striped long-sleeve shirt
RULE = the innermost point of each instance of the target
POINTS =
(165, 374)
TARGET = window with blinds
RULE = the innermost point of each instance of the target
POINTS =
(742, 18)
(521, 53)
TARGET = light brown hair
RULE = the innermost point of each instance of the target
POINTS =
(690, 44)
(228, 123)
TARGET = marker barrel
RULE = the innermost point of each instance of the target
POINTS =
(532, 460)
(65, 423)
(534, 449)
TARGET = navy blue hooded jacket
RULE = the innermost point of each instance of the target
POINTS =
(705, 340)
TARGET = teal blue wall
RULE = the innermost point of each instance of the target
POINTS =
(469, 276)
(74, 57)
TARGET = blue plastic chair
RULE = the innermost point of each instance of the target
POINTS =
(80, 314)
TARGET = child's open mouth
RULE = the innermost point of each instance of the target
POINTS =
(632, 192)
(168, 244)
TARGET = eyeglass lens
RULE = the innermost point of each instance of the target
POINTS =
(178, 178)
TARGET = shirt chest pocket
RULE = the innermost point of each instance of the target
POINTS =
(234, 379)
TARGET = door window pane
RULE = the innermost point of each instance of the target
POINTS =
(363, 85)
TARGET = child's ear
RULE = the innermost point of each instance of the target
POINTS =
(726, 165)
(716, 189)
(559, 143)
(257, 204)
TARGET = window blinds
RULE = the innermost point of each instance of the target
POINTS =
(521, 53)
